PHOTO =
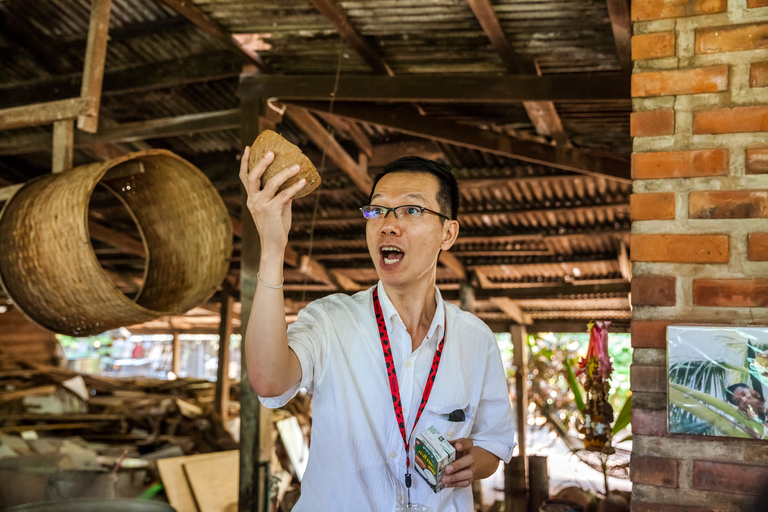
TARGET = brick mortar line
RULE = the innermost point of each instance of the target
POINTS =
(681, 187)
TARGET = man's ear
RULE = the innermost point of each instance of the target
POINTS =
(450, 234)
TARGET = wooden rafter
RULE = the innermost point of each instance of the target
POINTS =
(407, 121)
(93, 71)
(190, 11)
(127, 132)
(450, 260)
(116, 239)
(618, 11)
(464, 88)
(543, 114)
(63, 145)
(349, 33)
(330, 146)
(510, 308)
(144, 77)
(42, 113)
(352, 129)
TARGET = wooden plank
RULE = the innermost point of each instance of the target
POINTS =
(221, 396)
(175, 481)
(127, 132)
(450, 260)
(63, 145)
(352, 129)
(34, 42)
(465, 88)
(93, 70)
(190, 11)
(383, 154)
(42, 113)
(176, 354)
(116, 239)
(546, 120)
(508, 306)
(520, 360)
(341, 23)
(314, 270)
(406, 121)
(330, 146)
(618, 11)
(485, 14)
(157, 75)
(214, 482)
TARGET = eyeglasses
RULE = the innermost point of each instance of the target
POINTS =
(408, 211)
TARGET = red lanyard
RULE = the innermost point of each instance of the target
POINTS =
(395, 389)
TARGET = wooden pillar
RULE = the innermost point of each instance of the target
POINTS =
(93, 70)
(176, 354)
(221, 400)
(467, 303)
(517, 474)
(255, 420)
(538, 482)
(63, 145)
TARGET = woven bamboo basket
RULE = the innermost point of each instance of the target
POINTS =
(49, 269)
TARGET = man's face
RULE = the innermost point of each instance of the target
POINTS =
(405, 250)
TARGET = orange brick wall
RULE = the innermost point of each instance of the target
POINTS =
(699, 243)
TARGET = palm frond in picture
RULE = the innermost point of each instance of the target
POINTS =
(718, 379)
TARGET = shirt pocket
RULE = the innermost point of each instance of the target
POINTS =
(447, 418)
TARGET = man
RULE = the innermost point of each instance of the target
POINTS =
(747, 400)
(358, 354)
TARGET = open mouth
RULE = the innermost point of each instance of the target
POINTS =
(391, 255)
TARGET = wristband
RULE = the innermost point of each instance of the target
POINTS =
(258, 278)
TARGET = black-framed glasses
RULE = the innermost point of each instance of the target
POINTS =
(408, 211)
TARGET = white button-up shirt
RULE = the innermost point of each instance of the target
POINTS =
(356, 455)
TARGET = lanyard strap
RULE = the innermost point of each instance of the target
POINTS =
(395, 388)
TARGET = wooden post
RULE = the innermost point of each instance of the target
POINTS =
(538, 482)
(519, 473)
(255, 420)
(63, 145)
(176, 355)
(221, 401)
(95, 56)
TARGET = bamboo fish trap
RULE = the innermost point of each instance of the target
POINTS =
(48, 266)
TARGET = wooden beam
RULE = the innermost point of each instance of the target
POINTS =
(42, 113)
(482, 279)
(383, 154)
(508, 307)
(330, 146)
(618, 11)
(406, 121)
(439, 88)
(33, 41)
(189, 10)
(352, 129)
(467, 297)
(314, 270)
(343, 282)
(520, 360)
(559, 291)
(145, 77)
(341, 23)
(543, 114)
(522, 210)
(485, 14)
(116, 239)
(221, 397)
(450, 260)
(93, 70)
(63, 145)
(176, 354)
(127, 132)
(625, 265)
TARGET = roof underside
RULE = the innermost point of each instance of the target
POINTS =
(541, 237)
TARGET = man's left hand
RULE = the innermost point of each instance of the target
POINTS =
(461, 472)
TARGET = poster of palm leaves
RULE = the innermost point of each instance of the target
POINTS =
(718, 380)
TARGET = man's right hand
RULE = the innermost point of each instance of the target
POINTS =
(271, 210)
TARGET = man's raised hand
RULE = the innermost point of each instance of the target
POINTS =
(271, 210)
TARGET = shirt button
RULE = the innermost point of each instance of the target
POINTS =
(399, 498)
(449, 433)
(393, 455)
(407, 364)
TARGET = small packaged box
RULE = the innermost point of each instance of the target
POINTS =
(433, 454)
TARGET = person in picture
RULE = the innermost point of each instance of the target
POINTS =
(747, 400)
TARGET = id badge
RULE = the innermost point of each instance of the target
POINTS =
(415, 507)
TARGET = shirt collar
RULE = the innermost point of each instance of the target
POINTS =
(393, 317)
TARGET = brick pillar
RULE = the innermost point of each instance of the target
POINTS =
(699, 242)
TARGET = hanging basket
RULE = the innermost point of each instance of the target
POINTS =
(49, 269)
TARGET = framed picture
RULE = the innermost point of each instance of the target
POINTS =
(718, 381)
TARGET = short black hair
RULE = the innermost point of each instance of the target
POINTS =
(732, 388)
(447, 194)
